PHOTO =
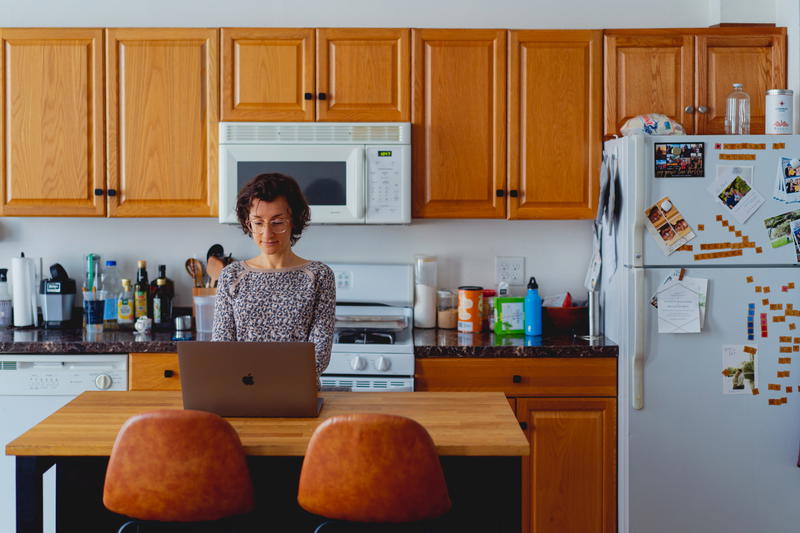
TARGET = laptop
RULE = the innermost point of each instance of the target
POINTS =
(238, 379)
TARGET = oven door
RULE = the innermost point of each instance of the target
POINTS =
(331, 177)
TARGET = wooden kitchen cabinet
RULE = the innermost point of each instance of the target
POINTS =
(569, 478)
(555, 123)
(153, 371)
(567, 407)
(52, 155)
(327, 74)
(458, 123)
(687, 74)
(161, 135)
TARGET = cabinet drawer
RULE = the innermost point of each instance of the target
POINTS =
(154, 371)
(516, 377)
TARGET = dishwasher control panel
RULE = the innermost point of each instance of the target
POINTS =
(56, 374)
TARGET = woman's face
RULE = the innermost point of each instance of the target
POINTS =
(271, 225)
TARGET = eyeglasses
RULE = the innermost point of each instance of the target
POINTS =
(258, 227)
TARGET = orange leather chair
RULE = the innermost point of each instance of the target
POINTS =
(372, 468)
(177, 466)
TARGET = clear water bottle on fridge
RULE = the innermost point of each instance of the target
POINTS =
(737, 112)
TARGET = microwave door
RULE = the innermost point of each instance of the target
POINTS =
(331, 177)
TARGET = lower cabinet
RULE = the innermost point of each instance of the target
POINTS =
(568, 410)
(153, 371)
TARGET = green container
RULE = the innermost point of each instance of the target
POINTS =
(509, 315)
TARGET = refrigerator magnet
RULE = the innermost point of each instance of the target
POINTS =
(679, 160)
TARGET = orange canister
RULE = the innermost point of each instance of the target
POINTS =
(470, 308)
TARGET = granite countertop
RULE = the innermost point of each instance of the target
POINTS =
(427, 343)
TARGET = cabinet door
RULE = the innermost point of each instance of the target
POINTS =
(555, 86)
(51, 137)
(363, 74)
(153, 371)
(162, 121)
(648, 71)
(569, 479)
(268, 74)
(459, 123)
(757, 60)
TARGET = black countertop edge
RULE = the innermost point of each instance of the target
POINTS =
(427, 344)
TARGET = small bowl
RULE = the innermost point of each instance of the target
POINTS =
(566, 319)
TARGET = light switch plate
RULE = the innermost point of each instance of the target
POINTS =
(509, 269)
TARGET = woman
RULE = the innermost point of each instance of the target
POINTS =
(276, 296)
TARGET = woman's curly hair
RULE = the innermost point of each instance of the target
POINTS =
(267, 188)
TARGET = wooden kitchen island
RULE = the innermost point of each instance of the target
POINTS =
(476, 435)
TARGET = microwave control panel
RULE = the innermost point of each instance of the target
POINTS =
(389, 184)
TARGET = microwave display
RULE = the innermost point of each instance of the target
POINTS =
(322, 182)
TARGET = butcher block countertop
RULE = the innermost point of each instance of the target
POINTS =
(460, 423)
(428, 343)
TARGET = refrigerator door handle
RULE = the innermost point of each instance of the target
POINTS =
(638, 202)
(637, 360)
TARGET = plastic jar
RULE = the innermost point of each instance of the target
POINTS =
(425, 274)
(447, 310)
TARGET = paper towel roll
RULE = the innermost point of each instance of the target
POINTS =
(22, 281)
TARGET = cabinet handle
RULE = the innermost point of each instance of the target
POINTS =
(500, 193)
(308, 96)
(169, 373)
(513, 193)
(523, 425)
(516, 378)
(112, 192)
(322, 96)
(98, 192)
(688, 109)
(702, 109)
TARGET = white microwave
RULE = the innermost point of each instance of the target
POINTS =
(350, 173)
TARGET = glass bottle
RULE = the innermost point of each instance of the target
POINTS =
(162, 305)
(110, 281)
(162, 273)
(737, 111)
(141, 292)
(425, 292)
(125, 306)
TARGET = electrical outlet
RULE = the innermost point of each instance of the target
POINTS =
(510, 269)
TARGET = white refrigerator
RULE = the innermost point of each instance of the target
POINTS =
(698, 451)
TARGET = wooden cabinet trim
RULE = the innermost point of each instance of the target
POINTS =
(205, 205)
(85, 203)
(397, 109)
(552, 377)
(585, 151)
(231, 77)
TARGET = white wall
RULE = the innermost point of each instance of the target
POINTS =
(556, 251)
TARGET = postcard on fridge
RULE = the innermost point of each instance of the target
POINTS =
(787, 180)
(779, 228)
(667, 226)
(699, 285)
(733, 188)
(678, 308)
(795, 229)
(739, 369)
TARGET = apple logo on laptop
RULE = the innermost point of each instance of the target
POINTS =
(248, 379)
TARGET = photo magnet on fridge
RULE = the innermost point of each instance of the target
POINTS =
(679, 160)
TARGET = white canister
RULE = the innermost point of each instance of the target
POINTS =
(778, 120)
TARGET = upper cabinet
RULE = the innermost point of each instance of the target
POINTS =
(162, 121)
(332, 74)
(459, 123)
(52, 157)
(687, 74)
(555, 123)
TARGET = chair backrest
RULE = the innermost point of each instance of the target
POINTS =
(372, 468)
(177, 466)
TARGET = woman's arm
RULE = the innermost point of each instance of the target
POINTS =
(324, 318)
(224, 324)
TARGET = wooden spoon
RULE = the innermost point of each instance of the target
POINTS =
(214, 269)
(195, 269)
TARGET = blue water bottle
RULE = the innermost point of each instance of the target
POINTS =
(533, 309)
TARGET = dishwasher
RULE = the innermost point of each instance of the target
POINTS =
(31, 388)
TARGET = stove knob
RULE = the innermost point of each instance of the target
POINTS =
(382, 364)
(358, 363)
(103, 381)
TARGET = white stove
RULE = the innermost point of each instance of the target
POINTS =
(373, 347)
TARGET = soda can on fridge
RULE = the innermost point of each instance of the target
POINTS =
(470, 309)
(779, 112)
